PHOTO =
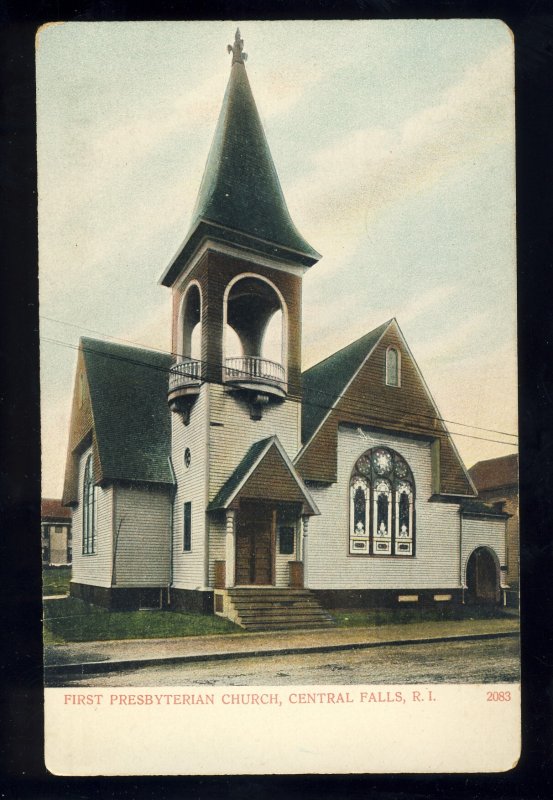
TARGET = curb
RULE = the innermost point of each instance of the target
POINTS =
(89, 667)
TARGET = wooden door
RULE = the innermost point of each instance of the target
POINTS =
(254, 545)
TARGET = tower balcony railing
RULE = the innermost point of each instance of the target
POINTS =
(186, 374)
(255, 371)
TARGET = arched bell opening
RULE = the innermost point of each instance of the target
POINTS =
(482, 577)
(190, 339)
(186, 374)
(255, 336)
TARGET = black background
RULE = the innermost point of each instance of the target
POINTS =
(21, 743)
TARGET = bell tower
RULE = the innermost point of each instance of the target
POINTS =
(236, 327)
(237, 277)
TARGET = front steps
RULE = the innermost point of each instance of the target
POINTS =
(271, 609)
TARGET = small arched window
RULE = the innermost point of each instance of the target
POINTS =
(382, 507)
(89, 509)
(393, 367)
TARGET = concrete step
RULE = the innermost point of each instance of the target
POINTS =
(268, 604)
(271, 608)
(287, 626)
(276, 614)
(244, 591)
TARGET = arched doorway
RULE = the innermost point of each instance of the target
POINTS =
(482, 577)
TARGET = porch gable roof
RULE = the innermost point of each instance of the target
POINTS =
(252, 464)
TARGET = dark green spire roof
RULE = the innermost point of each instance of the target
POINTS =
(240, 199)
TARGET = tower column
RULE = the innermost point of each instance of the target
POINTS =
(230, 549)
(304, 554)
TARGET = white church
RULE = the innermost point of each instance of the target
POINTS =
(223, 481)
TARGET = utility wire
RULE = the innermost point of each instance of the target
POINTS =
(353, 402)
(384, 420)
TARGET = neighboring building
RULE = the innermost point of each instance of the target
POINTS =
(55, 523)
(264, 493)
(497, 483)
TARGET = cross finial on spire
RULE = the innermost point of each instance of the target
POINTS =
(238, 56)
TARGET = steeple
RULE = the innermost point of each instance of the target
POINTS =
(240, 201)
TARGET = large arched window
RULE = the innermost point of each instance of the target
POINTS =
(89, 509)
(382, 505)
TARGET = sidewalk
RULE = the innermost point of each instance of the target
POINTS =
(87, 657)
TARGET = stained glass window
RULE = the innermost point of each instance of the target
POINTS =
(359, 516)
(382, 504)
(89, 510)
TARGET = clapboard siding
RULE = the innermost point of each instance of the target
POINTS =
(437, 560)
(142, 527)
(484, 532)
(369, 401)
(217, 542)
(93, 569)
(235, 432)
(508, 496)
(282, 569)
(189, 567)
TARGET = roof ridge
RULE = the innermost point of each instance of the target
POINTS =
(495, 458)
(345, 347)
(87, 340)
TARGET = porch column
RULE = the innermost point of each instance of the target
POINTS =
(304, 554)
(230, 549)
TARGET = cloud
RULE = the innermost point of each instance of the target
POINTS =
(351, 319)
(368, 169)
(460, 337)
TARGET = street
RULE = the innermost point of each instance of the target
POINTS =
(480, 661)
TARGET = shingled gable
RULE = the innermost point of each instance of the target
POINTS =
(265, 473)
(123, 413)
(351, 387)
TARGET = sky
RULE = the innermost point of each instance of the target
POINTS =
(394, 144)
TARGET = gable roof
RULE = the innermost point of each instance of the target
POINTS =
(351, 387)
(479, 509)
(53, 509)
(240, 198)
(131, 419)
(323, 383)
(251, 463)
(494, 473)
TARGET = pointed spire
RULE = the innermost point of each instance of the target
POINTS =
(240, 200)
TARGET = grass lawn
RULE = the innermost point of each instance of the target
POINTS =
(72, 620)
(55, 580)
(375, 617)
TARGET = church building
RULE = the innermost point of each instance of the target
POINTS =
(220, 480)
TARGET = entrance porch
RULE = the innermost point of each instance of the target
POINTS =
(267, 507)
